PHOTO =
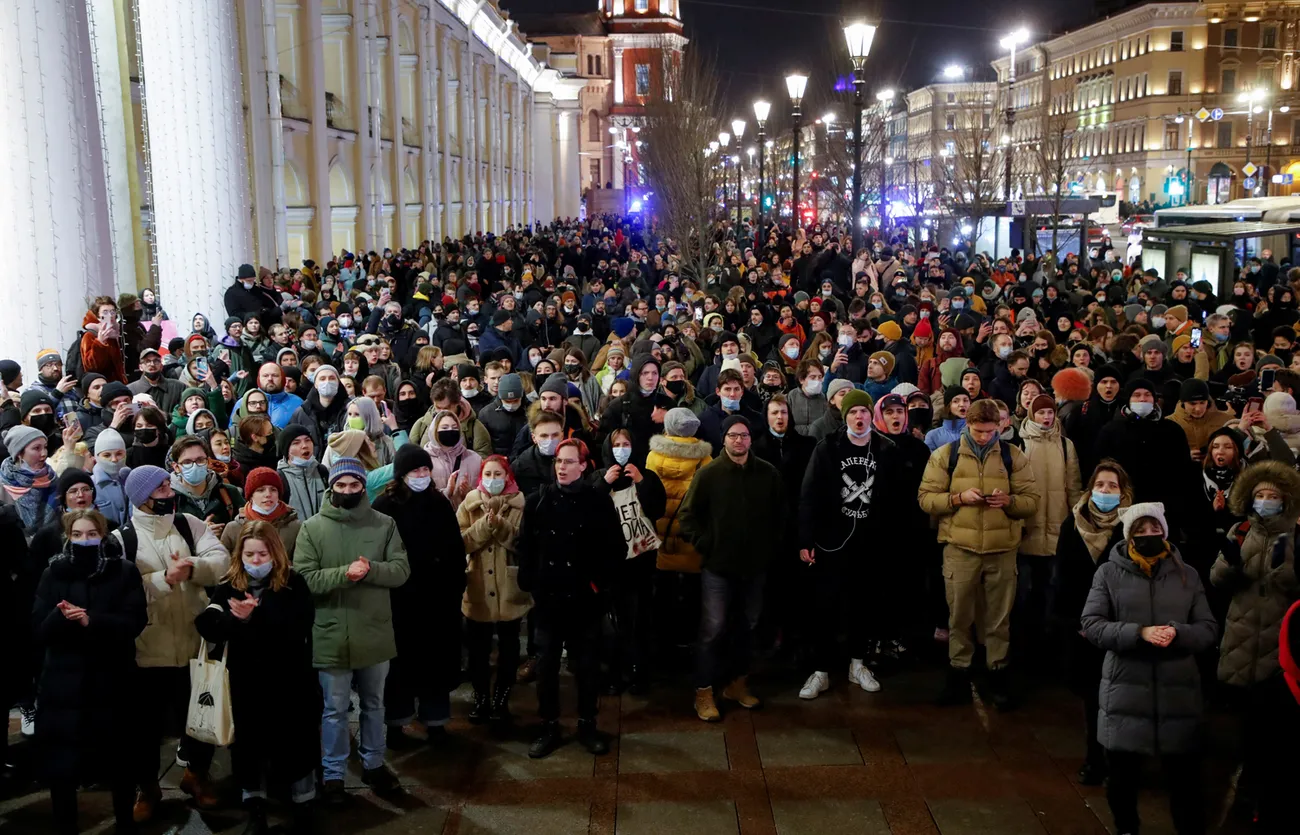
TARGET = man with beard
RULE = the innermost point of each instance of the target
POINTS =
(281, 405)
(51, 381)
(164, 391)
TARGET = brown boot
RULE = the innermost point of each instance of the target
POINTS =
(146, 801)
(198, 787)
(704, 706)
(527, 672)
(738, 691)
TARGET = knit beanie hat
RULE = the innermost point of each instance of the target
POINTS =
(32, 398)
(142, 481)
(836, 386)
(1153, 341)
(886, 359)
(857, 397)
(45, 356)
(1178, 311)
(681, 422)
(112, 391)
(954, 391)
(1109, 372)
(109, 440)
(410, 457)
(890, 330)
(904, 390)
(1194, 390)
(1130, 515)
(732, 420)
(556, 384)
(1042, 401)
(73, 476)
(348, 466)
(1071, 384)
(9, 371)
(510, 387)
(20, 437)
(922, 331)
(265, 477)
(288, 435)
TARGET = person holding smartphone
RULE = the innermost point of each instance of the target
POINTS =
(101, 344)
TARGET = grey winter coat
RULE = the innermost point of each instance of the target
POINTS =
(1150, 696)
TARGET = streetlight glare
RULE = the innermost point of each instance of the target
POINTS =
(762, 107)
(829, 118)
(795, 84)
(1016, 38)
(885, 95)
(738, 128)
(954, 71)
(724, 139)
(859, 37)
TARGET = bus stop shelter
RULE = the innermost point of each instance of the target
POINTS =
(1213, 251)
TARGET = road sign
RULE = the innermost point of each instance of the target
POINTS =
(1249, 169)
(1216, 114)
(1248, 183)
(1017, 207)
(1283, 179)
(1202, 115)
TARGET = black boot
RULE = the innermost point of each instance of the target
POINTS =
(548, 739)
(501, 706)
(590, 737)
(302, 819)
(956, 688)
(257, 824)
(1092, 774)
(481, 711)
(998, 689)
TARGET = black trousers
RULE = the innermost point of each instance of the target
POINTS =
(1091, 710)
(63, 801)
(427, 666)
(1182, 780)
(1270, 739)
(633, 615)
(577, 626)
(478, 637)
(165, 694)
(840, 608)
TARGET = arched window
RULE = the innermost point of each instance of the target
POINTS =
(593, 126)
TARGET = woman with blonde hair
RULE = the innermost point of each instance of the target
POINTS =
(263, 612)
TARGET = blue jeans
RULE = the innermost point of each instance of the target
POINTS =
(336, 686)
(729, 611)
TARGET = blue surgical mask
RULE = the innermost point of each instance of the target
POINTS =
(730, 405)
(1267, 507)
(1105, 502)
(1004, 352)
(92, 542)
(547, 446)
(195, 473)
(259, 572)
(622, 454)
(1221, 337)
(494, 486)
(302, 462)
(1141, 409)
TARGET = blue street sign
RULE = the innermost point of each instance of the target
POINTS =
(1249, 182)
(1216, 114)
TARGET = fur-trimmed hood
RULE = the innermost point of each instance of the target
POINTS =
(1285, 478)
(691, 448)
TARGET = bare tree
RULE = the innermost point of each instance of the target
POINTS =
(832, 187)
(681, 118)
(1050, 158)
(971, 171)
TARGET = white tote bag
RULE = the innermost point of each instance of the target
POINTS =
(638, 531)
(209, 718)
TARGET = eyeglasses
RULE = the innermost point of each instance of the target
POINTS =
(737, 436)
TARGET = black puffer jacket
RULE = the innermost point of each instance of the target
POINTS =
(1150, 696)
(570, 545)
(502, 425)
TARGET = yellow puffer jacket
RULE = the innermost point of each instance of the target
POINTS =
(676, 460)
(979, 528)
(492, 592)
(1056, 472)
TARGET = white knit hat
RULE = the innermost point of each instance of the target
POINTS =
(110, 439)
(1133, 513)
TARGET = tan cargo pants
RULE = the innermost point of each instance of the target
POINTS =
(981, 589)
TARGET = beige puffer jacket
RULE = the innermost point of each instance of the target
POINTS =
(1263, 583)
(1056, 471)
(170, 639)
(979, 528)
(492, 592)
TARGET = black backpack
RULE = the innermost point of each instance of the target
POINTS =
(72, 360)
(131, 540)
(954, 450)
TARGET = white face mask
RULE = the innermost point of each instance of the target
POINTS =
(494, 486)
(327, 388)
(812, 388)
(266, 509)
(110, 467)
(418, 484)
(792, 351)
(547, 446)
(622, 454)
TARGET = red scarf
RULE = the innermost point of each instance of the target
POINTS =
(251, 513)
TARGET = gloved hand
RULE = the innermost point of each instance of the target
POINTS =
(1279, 551)
(1230, 550)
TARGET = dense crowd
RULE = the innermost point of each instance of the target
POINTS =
(363, 471)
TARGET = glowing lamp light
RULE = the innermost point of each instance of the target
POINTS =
(636, 205)
(954, 71)
(795, 85)
(762, 108)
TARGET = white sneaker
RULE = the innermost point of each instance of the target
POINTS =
(29, 720)
(860, 675)
(816, 684)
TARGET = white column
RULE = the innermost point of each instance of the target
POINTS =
(261, 67)
(425, 46)
(114, 123)
(397, 164)
(362, 123)
(545, 137)
(198, 156)
(618, 75)
(53, 195)
(319, 180)
(445, 113)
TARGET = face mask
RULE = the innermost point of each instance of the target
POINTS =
(345, 501)
(1157, 321)
(345, 321)
(1221, 337)
(510, 407)
(622, 454)
(1267, 507)
(302, 462)
(715, 328)
(45, 423)
(1149, 546)
(248, 285)
(1141, 409)
(418, 484)
(826, 294)
(547, 446)
(676, 387)
(845, 341)
(110, 467)
(448, 437)
(573, 369)
(469, 392)
(258, 572)
(356, 422)
(1254, 269)
(163, 507)
(532, 397)
(194, 474)
(1004, 352)
(730, 405)
(308, 344)
(90, 542)
(857, 435)
(1105, 502)
(327, 388)
(792, 351)
(267, 509)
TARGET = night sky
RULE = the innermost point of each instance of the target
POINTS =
(756, 42)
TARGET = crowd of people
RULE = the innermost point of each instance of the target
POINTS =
(363, 471)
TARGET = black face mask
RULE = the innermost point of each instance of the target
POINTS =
(163, 507)
(409, 408)
(85, 557)
(448, 437)
(146, 435)
(45, 423)
(676, 387)
(345, 501)
(572, 369)
(1149, 546)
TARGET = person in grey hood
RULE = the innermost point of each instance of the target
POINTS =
(1147, 610)
(305, 477)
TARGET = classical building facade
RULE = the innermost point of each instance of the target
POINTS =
(163, 143)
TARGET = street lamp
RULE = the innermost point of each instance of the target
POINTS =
(795, 84)
(858, 36)
(954, 72)
(737, 128)
(885, 97)
(762, 107)
(1010, 42)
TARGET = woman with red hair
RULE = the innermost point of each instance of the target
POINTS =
(489, 519)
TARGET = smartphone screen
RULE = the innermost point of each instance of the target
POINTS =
(1266, 378)
(1196, 337)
